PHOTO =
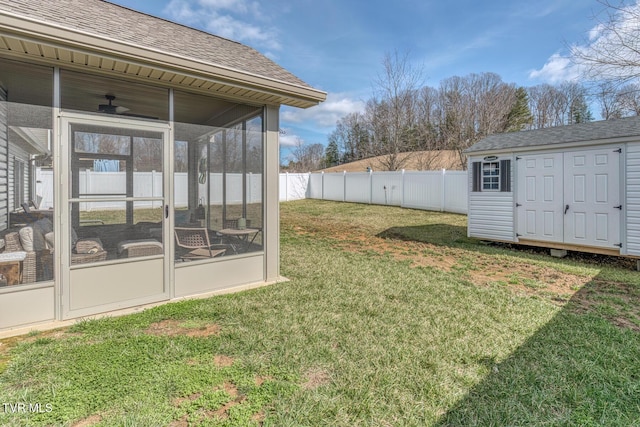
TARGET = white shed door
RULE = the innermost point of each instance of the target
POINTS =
(540, 197)
(571, 197)
(592, 208)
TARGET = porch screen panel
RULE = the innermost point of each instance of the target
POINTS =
(26, 174)
(218, 166)
(117, 198)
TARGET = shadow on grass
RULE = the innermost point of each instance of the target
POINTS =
(580, 369)
(437, 234)
(455, 236)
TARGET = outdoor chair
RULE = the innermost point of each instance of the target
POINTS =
(196, 241)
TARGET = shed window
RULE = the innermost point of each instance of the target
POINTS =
(492, 176)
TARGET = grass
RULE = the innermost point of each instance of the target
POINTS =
(392, 317)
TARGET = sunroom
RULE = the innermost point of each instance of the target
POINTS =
(132, 173)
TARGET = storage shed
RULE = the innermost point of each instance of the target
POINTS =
(573, 187)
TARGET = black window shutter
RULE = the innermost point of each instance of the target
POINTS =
(505, 175)
(477, 176)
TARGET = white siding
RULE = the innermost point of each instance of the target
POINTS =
(491, 213)
(633, 198)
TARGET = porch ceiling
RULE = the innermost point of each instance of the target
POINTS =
(54, 45)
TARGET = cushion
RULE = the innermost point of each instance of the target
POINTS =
(12, 242)
(127, 244)
(26, 238)
(44, 225)
(49, 239)
(88, 246)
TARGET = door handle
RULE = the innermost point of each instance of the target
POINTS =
(166, 211)
(566, 208)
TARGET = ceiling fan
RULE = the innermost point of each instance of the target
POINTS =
(117, 109)
(110, 108)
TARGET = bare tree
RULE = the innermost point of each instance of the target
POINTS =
(629, 99)
(391, 113)
(351, 136)
(612, 51)
(609, 99)
(474, 107)
(306, 157)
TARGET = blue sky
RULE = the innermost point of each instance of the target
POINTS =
(338, 45)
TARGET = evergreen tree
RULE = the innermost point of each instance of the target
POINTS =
(332, 154)
(519, 116)
(580, 112)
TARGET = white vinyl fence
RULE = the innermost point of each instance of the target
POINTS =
(149, 184)
(444, 191)
(294, 186)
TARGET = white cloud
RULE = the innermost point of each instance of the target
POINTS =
(288, 139)
(327, 113)
(557, 69)
(238, 20)
(610, 50)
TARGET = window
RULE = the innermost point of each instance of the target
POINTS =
(492, 176)
(18, 183)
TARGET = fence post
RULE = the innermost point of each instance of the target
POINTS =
(402, 189)
(443, 199)
(153, 188)
(344, 186)
(286, 187)
(322, 179)
(370, 186)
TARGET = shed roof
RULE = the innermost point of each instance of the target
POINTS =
(124, 26)
(589, 133)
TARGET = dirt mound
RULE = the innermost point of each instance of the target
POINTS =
(418, 160)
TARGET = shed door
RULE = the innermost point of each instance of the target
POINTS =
(540, 197)
(592, 198)
(571, 197)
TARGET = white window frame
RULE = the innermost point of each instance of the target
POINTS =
(491, 181)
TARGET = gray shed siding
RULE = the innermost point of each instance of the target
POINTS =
(491, 213)
(633, 198)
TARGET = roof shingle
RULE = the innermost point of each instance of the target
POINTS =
(592, 131)
(122, 24)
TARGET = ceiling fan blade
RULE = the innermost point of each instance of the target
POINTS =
(120, 109)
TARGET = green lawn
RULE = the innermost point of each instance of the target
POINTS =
(392, 317)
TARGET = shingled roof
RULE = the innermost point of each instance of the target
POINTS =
(118, 24)
(591, 133)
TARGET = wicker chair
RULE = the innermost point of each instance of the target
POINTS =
(13, 244)
(88, 250)
(196, 241)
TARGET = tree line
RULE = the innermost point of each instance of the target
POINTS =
(405, 116)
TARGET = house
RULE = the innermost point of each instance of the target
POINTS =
(572, 187)
(138, 161)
